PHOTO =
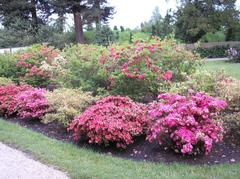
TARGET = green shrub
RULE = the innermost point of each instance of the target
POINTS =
(213, 52)
(232, 125)
(214, 37)
(141, 36)
(142, 69)
(124, 37)
(200, 81)
(83, 68)
(229, 89)
(67, 104)
(89, 36)
(8, 66)
(5, 81)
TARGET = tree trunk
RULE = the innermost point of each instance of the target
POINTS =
(78, 27)
(34, 19)
(98, 17)
(61, 20)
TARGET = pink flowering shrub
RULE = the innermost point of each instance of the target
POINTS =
(113, 119)
(8, 96)
(186, 123)
(140, 69)
(30, 64)
(32, 104)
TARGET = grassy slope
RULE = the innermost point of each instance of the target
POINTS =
(82, 163)
(232, 69)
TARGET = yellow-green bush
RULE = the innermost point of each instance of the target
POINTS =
(229, 89)
(5, 81)
(66, 104)
(200, 81)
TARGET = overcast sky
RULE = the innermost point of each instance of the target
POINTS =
(130, 13)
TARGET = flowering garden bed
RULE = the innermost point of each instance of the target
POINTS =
(146, 101)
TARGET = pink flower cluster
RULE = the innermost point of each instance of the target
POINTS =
(187, 122)
(113, 119)
(32, 104)
(24, 101)
(29, 63)
(140, 61)
(8, 96)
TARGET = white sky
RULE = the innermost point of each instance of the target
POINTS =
(130, 13)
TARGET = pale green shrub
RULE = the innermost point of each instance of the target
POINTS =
(5, 81)
(66, 104)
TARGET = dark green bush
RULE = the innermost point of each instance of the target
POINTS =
(8, 66)
(214, 52)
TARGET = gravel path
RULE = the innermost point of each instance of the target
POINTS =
(17, 165)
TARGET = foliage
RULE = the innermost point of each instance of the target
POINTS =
(8, 100)
(30, 62)
(67, 104)
(234, 54)
(8, 67)
(83, 68)
(196, 18)
(186, 123)
(5, 81)
(15, 36)
(232, 125)
(202, 80)
(124, 37)
(214, 37)
(213, 52)
(139, 36)
(113, 119)
(32, 104)
(229, 89)
(104, 36)
(141, 69)
(158, 25)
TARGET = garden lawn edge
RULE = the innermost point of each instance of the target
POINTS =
(82, 163)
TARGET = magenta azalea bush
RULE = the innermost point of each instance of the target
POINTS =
(32, 104)
(113, 119)
(8, 96)
(186, 123)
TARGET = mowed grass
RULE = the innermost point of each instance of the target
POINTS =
(233, 69)
(82, 163)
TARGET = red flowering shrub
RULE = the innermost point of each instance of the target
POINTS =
(186, 122)
(8, 96)
(112, 119)
(30, 65)
(32, 103)
(140, 69)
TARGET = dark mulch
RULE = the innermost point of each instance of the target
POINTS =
(226, 152)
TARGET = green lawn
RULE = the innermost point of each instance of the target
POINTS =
(83, 163)
(232, 69)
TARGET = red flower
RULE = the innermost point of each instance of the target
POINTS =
(168, 75)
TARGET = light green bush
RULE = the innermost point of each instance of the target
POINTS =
(66, 104)
(5, 81)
